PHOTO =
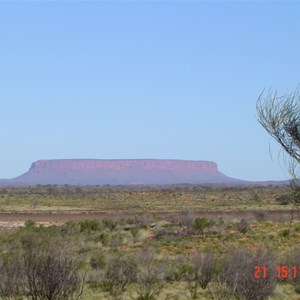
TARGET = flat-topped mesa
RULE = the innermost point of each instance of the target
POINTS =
(118, 164)
(121, 172)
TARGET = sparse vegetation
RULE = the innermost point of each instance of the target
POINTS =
(166, 254)
(186, 200)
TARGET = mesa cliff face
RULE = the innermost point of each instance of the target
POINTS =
(121, 171)
(118, 164)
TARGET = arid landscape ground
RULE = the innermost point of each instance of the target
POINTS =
(12, 220)
(50, 204)
(192, 237)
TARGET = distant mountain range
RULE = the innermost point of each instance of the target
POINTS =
(121, 172)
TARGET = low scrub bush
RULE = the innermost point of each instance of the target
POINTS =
(285, 233)
(238, 274)
(109, 223)
(243, 226)
(98, 261)
(120, 272)
(260, 215)
(151, 275)
(90, 225)
(202, 268)
(284, 199)
(201, 223)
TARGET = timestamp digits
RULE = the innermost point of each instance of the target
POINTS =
(282, 272)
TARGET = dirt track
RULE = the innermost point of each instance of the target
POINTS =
(11, 220)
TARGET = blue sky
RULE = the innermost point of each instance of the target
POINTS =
(144, 79)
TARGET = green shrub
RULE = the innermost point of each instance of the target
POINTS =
(201, 223)
(297, 227)
(116, 240)
(90, 225)
(29, 224)
(284, 199)
(97, 261)
(105, 286)
(109, 223)
(104, 238)
(182, 268)
(72, 224)
(285, 233)
(134, 231)
(120, 272)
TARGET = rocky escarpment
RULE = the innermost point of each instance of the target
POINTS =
(121, 171)
(118, 164)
